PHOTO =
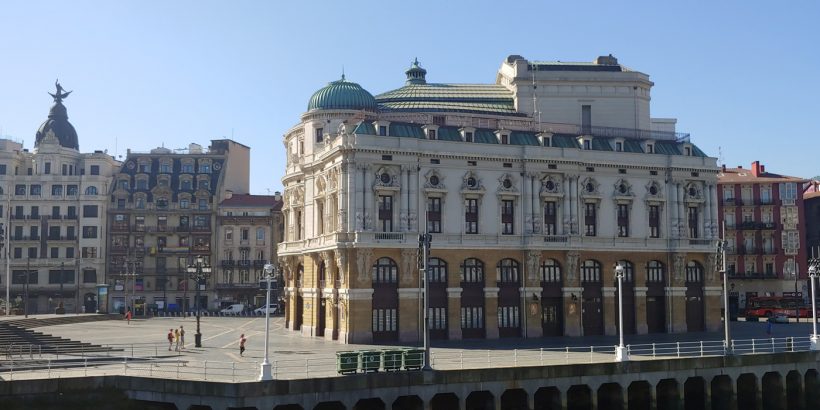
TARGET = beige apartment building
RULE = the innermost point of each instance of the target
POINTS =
(162, 216)
(53, 202)
(532, 187)
(249, 228)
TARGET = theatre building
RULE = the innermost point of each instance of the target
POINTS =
(533, 187)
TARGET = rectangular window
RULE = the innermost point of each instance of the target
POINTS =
(71, 212)
(35, 212)
(57, 191)
(687, 151)
(89, 252)
(18, 253)
(550, 218)
(54, 253)
(508, 317)
(319, 133)
(384, 320)
(650, 149)
(244, 234)
(36, 190)
(623, 220)
(505, 139)
(693, 221)
(95, 170)
(69, 233)
(90, 211)
(619, 146)
(586, 119)
(71, 190)
(438, 318)
(18, 212)
(434, 215)
(54, 233)
(386, 213)
(431, 134)
(2, 169)
(89, 276)
(383, 130)
(472, 317)
(471, 215)
(654, 221)
(507, 217)
(468, 136)
(89, 232)
(69, 253)
(55, 277)
(19, 189)
(590, 219)
(32, 253)
(587, 145)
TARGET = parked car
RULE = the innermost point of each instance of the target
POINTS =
(234, 309)
(779, 318)
(273, 308)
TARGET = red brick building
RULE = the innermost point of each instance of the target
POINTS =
(766, 232)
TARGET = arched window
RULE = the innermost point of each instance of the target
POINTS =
(385, 270)
(694, 272)
(437, 270)
(550, 271)
(322, 274)
(92, 190)
(591, 271)
(654, 272)
(507, 271)
(472, 271)
(629, 270)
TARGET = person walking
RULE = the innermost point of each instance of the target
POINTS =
(128, 316)
(242, 340)
(170, 338)
(181, 337)
(176, 339)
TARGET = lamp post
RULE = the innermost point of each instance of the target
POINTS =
(813, 274)
(424, 244)
(265, 371)
(721, 250)
(621, 354)
(198, 271)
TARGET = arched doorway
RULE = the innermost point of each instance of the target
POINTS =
(694, 297)
(655, 297)
(593, 306)
(509, 297)
(472, 299)
(628, 285)
(385, 318)
(552, 301)
(437, 292)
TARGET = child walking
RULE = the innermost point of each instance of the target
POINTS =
(242, 344)
(170, 338)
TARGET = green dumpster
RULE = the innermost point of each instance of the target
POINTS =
(392, 359)
(370, 360)
(347, 362)
(413, 359)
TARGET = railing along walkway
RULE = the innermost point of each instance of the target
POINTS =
(155, 360)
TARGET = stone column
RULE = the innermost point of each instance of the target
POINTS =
(454, 313)
(491, 312)
(713, 194)
(673, 209)
(369, 204)
(404, 207)
(610, 311)
(358, 198)
(682, 231)
(537, 212)
(565, 214)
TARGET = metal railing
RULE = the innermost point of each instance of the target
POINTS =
(162, 361)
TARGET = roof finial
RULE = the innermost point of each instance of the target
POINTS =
(343, 72)
(60, 95)
(416, 61)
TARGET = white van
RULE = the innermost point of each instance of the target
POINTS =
(234, 309)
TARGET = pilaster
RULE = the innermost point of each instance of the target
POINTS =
(454, 313)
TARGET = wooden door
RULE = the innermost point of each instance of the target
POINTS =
(552, 316)
(656, 314)
(593, 314)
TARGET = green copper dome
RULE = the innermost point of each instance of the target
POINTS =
(342, 95)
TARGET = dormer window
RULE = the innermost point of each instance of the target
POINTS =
(586, 142)
(503, 137)
(431, 131)
(382, 128)
(545, 139)
(467, 134)
(650, 148)
(687, 150)
(619, 145)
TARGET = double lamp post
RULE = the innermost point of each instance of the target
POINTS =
(199, 271)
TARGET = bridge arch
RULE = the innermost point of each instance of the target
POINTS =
(747, 391)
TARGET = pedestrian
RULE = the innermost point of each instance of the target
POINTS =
(242, 344)
(128, 316)
(170, 338)
(176, 338)
(182, 337)
(769, 328)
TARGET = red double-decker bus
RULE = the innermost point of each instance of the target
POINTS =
(768, 306)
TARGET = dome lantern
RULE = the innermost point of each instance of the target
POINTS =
(416, 74)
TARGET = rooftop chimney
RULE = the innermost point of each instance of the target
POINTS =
(277, 196)
(757, 169)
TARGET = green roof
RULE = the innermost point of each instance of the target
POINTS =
(342, 95)
(470, 98)
(487, 136)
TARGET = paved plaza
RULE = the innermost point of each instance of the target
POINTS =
(142, 349)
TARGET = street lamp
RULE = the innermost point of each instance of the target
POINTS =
(265, 372)
(621, 354)
(813, 274)
(199, 272)
(721, 250)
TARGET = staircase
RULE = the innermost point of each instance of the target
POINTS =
(17, 338)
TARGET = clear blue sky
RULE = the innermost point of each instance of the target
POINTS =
(739, 75)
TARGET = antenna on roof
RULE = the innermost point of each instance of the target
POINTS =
(535, 113)
(720, 157)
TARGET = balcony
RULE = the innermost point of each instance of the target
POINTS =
(71, 217)
(201, 248)
(201, 228)
(253, 286)
(749, 225)
(227, 263)
(244, 263)
(752, 275)
(556, 238)
(259, 263)
(120, 228)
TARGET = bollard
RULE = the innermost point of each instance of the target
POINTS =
(541, 356)
(233, 371)
(205, 372)
(515, 357)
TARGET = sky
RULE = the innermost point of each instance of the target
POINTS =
(740, 76)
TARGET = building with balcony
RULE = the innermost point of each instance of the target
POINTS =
(162, 215)
(249, 228)
(533, 188)
(53, 201)
(764, 219)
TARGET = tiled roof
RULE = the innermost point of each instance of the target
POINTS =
(741, 175)
(247, 200)
(487, 136)
(468, 98)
